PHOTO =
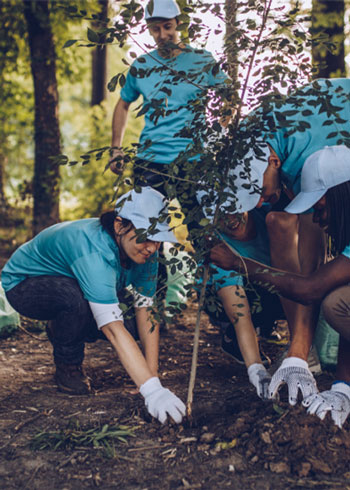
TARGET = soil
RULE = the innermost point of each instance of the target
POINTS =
(234, 440)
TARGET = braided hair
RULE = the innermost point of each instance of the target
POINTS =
(338, 208)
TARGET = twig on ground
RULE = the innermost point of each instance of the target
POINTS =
(31, 335)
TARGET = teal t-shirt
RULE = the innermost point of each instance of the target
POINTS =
(256, 249)
(312, 114)
(346, 251)
(82, 250)
(154, 77)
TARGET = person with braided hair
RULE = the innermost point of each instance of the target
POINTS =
(325, 187)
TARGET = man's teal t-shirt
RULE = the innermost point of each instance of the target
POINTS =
(82, 250)
(313, 113)
(256, 249)
(173, 84)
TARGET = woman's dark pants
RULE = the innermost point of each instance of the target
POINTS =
(60, 300)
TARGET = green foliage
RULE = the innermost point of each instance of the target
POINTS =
(103, 438)
(82, 127)
(269, 45)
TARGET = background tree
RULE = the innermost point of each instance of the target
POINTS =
(47, 132)
(328, 49)
(99, 59)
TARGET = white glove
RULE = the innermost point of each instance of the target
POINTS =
(336, 401)
(161, 402)
(260, 378)
(296, 373)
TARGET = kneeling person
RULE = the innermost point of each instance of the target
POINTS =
(70, 274)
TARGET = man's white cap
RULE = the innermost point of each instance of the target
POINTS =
(165, 9)
(322, 170)
(247, 178)
(143, 209)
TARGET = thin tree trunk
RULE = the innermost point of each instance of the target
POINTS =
(328, 18)
(230, 38)
(99, 63)
(3, 200)
(47, 133)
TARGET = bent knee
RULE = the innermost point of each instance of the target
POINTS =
(336, 306)
(281, 222)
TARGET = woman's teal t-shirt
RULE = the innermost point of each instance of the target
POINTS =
(82, 250)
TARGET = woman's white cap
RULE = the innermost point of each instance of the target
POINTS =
(165, 9)
(247, 178)
(144, 209)
(322, 170)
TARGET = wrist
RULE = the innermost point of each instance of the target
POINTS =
(341, 387)
(254, 368)
(294, 361)
(150, 386)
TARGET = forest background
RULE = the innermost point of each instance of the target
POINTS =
(34, 186)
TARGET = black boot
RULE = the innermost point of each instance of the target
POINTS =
(71, 379)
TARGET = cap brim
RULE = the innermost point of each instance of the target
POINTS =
(246, 200)
(164, 234)
(304, 201)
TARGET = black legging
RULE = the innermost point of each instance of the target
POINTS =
(60, 300)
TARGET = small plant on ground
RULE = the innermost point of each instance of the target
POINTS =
(75, 436)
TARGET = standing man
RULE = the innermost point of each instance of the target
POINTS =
(171, 79)
(315, 116)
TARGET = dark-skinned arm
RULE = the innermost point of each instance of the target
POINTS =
(302, 289)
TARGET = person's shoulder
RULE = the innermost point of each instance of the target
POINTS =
(146, 58)
(198, 52)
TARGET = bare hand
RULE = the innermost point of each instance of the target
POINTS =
(117, 161)
(221, 256)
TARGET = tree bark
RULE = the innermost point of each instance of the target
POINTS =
(46, 126)
(3, 200)
(99, 63)
(328, 18)
(230, 39)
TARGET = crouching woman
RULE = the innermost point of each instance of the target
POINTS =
(71, 274)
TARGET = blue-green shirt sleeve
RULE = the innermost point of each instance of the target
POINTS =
(346, 251)
(130, 92)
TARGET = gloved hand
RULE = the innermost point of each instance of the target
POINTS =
(260, 378)
(336, 401)
(161, 402)
(295, 372)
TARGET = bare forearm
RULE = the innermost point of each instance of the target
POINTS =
(343, 368)
(291, 286)
(237, 309)
(119, 121)
(149, 336)
(128, 352)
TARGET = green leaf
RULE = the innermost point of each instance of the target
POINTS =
(113, 83)
(204, 222)
(122, 80)
(332, 135)
(69, 43)
(92, 36)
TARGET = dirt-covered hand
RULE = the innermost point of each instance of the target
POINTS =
(336, 401)
(260, 378)
(161, 402)
(296, 374)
